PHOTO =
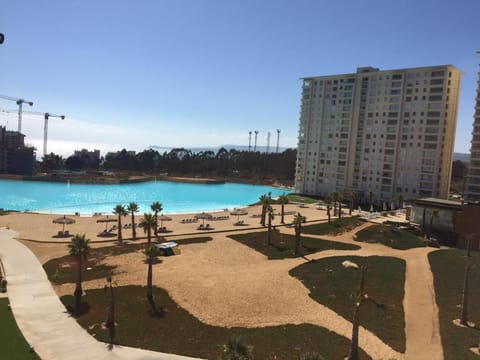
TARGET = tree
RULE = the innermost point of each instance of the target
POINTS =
(156, 208)
(371, 194)
(52, 162)
(328, 201)
(79, 248)
(120, 211)
(340, 199)
(465, 292)
(283, 199)
(334, 195)
(298, 220)
(353, 198)
(265, 201)
(110, 322)
(269, 211)
(235, 349)
(361, 296)
(400, 201)
(147, 224)
(133, 208)
(151, 251)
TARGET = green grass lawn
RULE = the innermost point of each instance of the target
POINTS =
(181, 333)
(283, 245)
(336, 226)
(12, 343)
(301, 199)
(448, 267)
(63, 269)
(333, 285)
(390, 236)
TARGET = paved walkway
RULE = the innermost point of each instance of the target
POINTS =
(42, 318)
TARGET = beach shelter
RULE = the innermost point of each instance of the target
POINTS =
(238, 213)
(163, 218)
(106, 220)
(203, 216)
(64, 221)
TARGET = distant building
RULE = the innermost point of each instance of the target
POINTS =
(90, 156)
(15, 157)
(472, 188)
(391, 132)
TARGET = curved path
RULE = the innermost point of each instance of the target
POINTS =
(42, 318)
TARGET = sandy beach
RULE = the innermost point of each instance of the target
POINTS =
(199, 279)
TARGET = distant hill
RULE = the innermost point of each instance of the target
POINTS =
(462, 157)
(161, 149)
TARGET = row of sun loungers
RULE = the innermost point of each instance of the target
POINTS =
(216, 218)
(204, 227)
(188, 221)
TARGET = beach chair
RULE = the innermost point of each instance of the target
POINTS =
(200, 227)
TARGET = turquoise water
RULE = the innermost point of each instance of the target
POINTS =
(62, 198)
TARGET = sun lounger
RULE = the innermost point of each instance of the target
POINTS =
(200, 227)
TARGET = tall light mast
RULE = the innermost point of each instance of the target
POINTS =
(249, 140)
(268, 142)
(278, 139)
(255, 143)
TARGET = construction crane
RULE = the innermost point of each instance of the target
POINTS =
(46, 116)
(20, 104)
(255, 144)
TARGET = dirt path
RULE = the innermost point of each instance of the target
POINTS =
(225, 283)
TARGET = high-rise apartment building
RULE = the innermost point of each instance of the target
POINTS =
(472, 188)
(391, 132)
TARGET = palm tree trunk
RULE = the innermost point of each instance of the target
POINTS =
(283, 213)
(328, 213)
(339, 210)
(134, 232)
(353, 355)
(149, 236)
(297, 238)
(262, 218)
(110, 323)
(119, 238)
(150, 286)
(156, 224)
(351, 208)
(269, 233)
(78, 287)
(464, 314)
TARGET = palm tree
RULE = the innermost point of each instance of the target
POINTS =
(156, 208)
(283, 199)
(151, 251)
(371, 194)
(133, 208)
(340, 199)
(400, 201)
(361, 296)
(265, 201)
(298, 220)
(464, 312)
(269, 211)
(120, 211)
(328, 200)
(235, 349)
(353, 198)
(147, 224)
(79, 249)
(334, 196)
(110, 323)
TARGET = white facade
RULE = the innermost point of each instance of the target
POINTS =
(390, 132)
(472, 189)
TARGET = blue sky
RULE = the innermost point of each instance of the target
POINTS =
(203, 72)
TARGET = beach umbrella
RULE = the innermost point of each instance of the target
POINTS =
(238, 213)
(64, 221)
(106, 220)
(163, 218)
(203, 216)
